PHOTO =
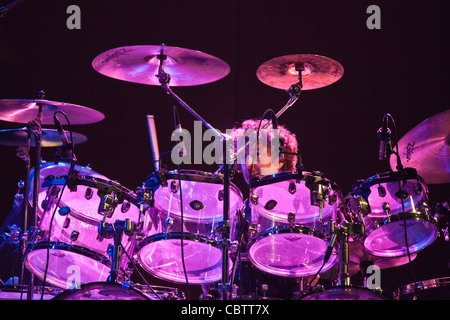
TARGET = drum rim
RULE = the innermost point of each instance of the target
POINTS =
(56, 245)
(422, 285)
(84, 286)
(387, 176)
(297, 229)
(260, 181)
(396, 217)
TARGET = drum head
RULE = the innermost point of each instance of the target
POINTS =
(102, 291)
(202, 196)
(290, 252)
(161, 256)
(389, 239)
(67, 265)
(282, 193)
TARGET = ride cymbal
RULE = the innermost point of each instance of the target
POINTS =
(316, 71)
(426, 148)
(140, 64)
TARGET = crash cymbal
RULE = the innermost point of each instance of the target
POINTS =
(283, 72)
(427, 149)
(24, 111)
(357, 256)
(50, 138)
(140, 64)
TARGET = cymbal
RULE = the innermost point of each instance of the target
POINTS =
(358, 255)
(50, 137)
(426, 148)
(24, 111)
(140, 64)
(318, 71)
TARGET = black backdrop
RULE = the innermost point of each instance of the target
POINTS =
(401, 69)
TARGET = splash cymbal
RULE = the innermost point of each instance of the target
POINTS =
(50, 138)
(140, 64)
(316, 71)
(426, 148)
(24, 111)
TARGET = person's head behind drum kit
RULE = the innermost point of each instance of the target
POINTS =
(250, 167)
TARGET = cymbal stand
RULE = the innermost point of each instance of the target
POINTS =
(34, 128)
(164, 80)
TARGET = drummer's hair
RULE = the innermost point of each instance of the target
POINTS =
(288, 140)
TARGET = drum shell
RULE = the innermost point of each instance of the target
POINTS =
(72, 235)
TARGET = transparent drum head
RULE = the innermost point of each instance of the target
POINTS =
(290, 252)
(67, 265)
(288, 192)
(160, 253)
(161, 256)
(388, 240)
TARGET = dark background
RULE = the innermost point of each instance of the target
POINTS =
(401, 69)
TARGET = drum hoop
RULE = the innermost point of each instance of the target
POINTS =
(286, 229)
(418, 216)
(85, 286)
(422, 285)
(309, 177)
(176, 236)
(71, 248)
(389, 177)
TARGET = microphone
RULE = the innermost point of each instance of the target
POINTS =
(60, 130)
(179, 129)
(384, 135)
(153, 140)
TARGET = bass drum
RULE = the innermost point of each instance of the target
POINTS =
(194, 244)
(291, 214)
(66, 248)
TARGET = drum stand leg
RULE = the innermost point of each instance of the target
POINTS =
(344, 276)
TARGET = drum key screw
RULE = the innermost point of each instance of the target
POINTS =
(64, 211)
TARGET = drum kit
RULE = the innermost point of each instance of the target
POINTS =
(89, 234)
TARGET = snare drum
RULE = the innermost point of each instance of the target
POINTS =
(160, 252)
(67, 233)
(291, 215)
(385, 207)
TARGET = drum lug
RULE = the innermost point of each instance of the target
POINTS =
(292, 187)
(381, 191)
(168, 223)
(291, 218)
(386, 207)
(254, 199)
